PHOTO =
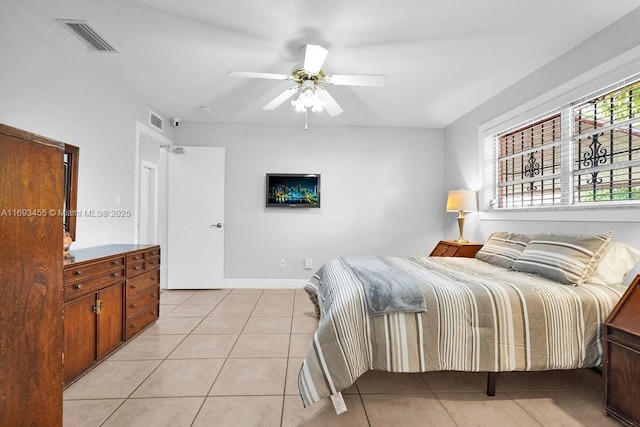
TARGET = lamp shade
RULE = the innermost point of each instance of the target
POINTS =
(462, 200)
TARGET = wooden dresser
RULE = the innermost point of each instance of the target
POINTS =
(111, 293)
(621, 365)
(451, 248)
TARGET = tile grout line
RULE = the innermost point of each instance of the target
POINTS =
(225, 359)
(150, 373)
(286, 367)
(161, 360)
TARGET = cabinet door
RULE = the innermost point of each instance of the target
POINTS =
(31, 178)
(79, 335)
(110, 319)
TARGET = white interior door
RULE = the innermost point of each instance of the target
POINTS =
(196, 218)
(148, 203)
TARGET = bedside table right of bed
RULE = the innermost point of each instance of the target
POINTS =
(451, 248)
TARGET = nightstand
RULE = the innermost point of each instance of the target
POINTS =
(451, 248)
(621, 363)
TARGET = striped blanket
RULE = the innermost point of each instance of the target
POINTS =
(480, 318)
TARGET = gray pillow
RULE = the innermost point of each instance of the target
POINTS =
(503, 248)
(567, 259)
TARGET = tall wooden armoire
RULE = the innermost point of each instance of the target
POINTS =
(31, 333)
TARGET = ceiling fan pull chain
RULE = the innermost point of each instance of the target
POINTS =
(305, 120)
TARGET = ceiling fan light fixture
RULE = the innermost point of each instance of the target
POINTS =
(308, 100)
(310, 80)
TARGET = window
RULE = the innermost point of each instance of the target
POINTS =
(606, 145)
(529, 167)
(584, 154)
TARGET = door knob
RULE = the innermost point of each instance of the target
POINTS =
(218, 225)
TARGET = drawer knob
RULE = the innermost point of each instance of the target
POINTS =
(153, 277)
(114, 262)
(132, 325)
(153, 312)
(77, 272)
(133, 305)
(114, 274)
(135, 267)
(132, 286)
(136, 257)
(78, 286)
(154, 295)
(152, 262)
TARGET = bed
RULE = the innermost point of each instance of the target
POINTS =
(494, 313)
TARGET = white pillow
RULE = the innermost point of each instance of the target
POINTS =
(618, 260)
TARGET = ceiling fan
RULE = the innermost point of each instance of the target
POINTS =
(310, 82)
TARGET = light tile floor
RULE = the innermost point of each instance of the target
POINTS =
(231, 358)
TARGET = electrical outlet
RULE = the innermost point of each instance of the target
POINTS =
(308, 263)
(282, 262)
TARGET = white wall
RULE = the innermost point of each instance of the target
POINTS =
(46, 87)
(381, 193)
(381, 188)
(610, 55)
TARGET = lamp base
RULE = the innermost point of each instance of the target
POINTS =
(461, 227)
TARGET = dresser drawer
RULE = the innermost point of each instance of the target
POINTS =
(143, 266)
(92, 284)
(142, 282)
(153, 252)
(444, 250)
(79, 272)
(152, 262)
(143, 299)
(448, 248)
(135, 257)
(143, 255)
(135, 268)
(139, 322)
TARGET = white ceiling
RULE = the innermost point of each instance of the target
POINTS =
(442, 57)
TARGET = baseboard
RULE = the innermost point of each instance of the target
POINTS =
(251, 284)
(264, 283)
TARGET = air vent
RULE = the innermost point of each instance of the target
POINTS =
(156, 122)
(87, 34)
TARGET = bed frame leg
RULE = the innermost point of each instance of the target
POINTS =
(491, 383)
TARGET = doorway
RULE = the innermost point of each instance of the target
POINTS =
(148, 222)
(150, 191)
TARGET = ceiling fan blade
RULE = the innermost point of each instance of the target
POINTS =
(358, 79)
(281, 98)
(330, 104)
(253, 75)
(314, 57)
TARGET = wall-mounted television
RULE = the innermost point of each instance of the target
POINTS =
(293, 190)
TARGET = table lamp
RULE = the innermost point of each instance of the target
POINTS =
(462, 201)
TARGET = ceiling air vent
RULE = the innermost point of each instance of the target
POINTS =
(87, 34)
(156, 122)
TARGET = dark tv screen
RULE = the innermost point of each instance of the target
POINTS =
(288, 190)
